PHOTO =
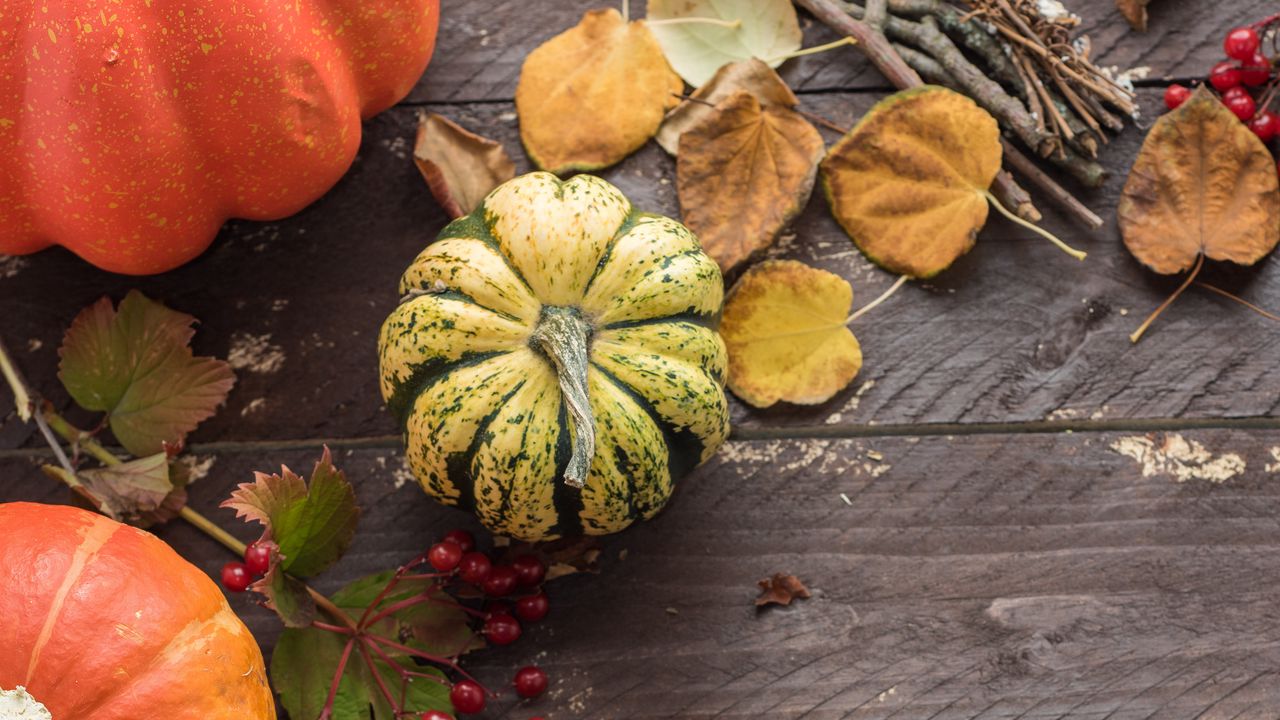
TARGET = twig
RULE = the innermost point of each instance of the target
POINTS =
(1068, 202)
(21, 397)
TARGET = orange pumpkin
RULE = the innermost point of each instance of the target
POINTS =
(102, 621)
(130, 130)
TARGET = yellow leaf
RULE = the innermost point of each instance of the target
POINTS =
(743, 173)
(909, 183)
(751, 75)
(784, 327)
(593, 94)
(459, 166)
(1202, 183)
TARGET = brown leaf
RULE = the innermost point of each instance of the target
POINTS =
(743, 173)
(1135, 11)
(593, 94)
(130, 489)
(781, 589)
(752, 75)
(459, 166)
(1203, 183)
(568, 556)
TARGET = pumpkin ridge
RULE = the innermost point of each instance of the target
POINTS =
(683, 444)
(479, 220)
(710, 322)
(629, 223)
(459, 296)
(424, 375)
(458, 465)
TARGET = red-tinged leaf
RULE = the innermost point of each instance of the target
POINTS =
(312, 523)
(459, 166)
(288, 596)
(135, 364)
(781, 589)
(129, 490)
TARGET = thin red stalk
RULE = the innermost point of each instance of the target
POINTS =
(426, 576)
(425, 656)
(418, 600)
(404, 672)
(391, 584)
(332, 628)
(337, 680)
(377, 676)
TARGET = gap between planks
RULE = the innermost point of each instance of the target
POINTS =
(811, 432)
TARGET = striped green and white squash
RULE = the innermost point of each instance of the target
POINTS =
(554, 361)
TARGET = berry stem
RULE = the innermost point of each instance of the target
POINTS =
(337, 680)
(377, 676)
(902, 279)
(1137, 334)
(388, 642)
(1077, 254)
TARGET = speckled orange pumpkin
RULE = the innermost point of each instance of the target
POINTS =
(130, 130)
(102, 621)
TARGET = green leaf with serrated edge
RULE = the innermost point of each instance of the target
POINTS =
(288, 596)
(313, 524)
(131, 488)
(135, 364)
(302, 668)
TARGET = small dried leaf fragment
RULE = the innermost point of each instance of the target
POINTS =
(909, 182)
(784, 327)
(781, 589)
(1134, 11)
(751, 75)
(743, 173)
(1202, 183)
(459, 166)
(767, 29)
(131, 489)
(593, 94)
(287, 596)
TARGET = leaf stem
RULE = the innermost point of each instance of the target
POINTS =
(388, 642)
(79, 438)
(1077, 254)
(334, 611)
(337, 680)
(731, 24)
(21, 396)
(1236, 298)
(377, 676)
(1137, 334)
(902, 279)
(208, 527)
(847, 40)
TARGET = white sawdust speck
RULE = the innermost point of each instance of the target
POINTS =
(1179, 458)
(255, 353)
(1275, 455)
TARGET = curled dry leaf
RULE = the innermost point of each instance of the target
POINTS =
(781, 589)
(593, 94)
(130, 490)
(909, 182)
(784, 327)
(1135, 11)
(459, 166)
(751, 75)
(765, 29)
(743, 173)
(567, 556)
(1203, 183)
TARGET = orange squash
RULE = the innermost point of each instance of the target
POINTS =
(102, 621)
(130, 130)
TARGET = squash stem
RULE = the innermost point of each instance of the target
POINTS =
(562, 335)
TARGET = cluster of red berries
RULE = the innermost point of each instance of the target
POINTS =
(1237, 79)
(238, 576)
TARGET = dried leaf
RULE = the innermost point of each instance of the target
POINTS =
(593, 94)
(130, 489)
(312, 523)
(769, 30)
(751, 75)
(136, 365)
(1203, 183)
(459, 166)
(743, 173)
(781, 589)
(1135, 11)
(567, 556)
(909, 182)
(784, 327)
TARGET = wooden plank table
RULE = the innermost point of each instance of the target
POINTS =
(1012, 513)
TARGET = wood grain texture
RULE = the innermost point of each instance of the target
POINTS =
(988, 576)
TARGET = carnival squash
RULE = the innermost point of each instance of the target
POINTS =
(130, 130)
(555, 361)
(102, 621)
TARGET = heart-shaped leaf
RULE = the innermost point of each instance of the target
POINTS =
(765, 29)
(751, 75)
(785, 328)
(459, 166)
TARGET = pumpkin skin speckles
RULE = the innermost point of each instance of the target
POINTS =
(486, 423)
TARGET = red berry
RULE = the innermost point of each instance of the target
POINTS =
(532, 608)
(236, 577)
(1241, 43)
(461, 538)
(1224, 76)
(501, 581)
(529, 570)
(467, 697)
(1265, 125)
(436, 715)
(1256, 70)
(444, 556)
(531, 681)
(1175, 95)
(257, 557)
(1234, 92)
(474, 567)
(502, 629)
(1242, 105)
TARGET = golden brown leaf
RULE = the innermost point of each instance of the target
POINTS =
(593, 94)
(743, 173)
(784, 327)
(459, 166)
(909, 182)
(781, 589)
(1203, 183)
(752, 75)
(1135, 11)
